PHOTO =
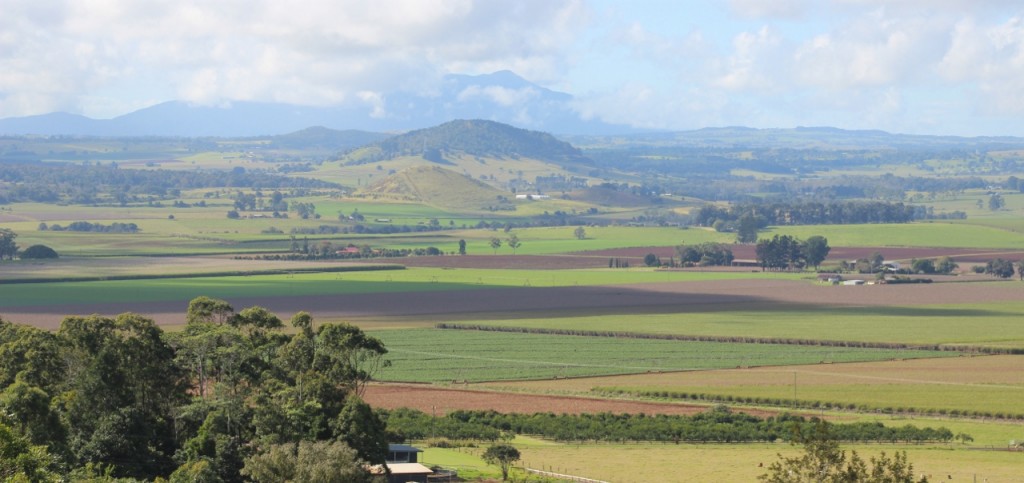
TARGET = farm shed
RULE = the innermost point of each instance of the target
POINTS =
(401, 453)
(832, 278)
(403, 472)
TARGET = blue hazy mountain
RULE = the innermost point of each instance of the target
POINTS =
(502, 96)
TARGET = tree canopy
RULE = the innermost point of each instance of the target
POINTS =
(117, 397)
(38, 252)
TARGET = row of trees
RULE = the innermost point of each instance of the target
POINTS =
(784, 252)
(85, 226)
(808, 213)
(232, 394)
(718, 425)
(704, 254)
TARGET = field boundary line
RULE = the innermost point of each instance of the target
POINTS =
(561, 476)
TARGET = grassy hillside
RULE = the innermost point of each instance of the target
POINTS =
(435, 186)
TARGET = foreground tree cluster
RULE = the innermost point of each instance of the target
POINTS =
(229, 398)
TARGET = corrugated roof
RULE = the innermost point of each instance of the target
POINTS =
(401, 469)
(404, 447)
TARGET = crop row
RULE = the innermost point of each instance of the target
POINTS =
(806, 404)
(738, 339)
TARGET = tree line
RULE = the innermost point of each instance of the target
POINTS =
(85, 226)
(809, 213)
(88, 184)
(720, 425)
(808, 404)
(221, 400)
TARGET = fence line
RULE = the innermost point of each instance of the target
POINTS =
(561, 476)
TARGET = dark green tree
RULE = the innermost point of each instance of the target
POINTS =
(38, 252)
(321, 461)
(580, 233)
(923, 265)
(513, 242)
(945, 265)
(824, 462)
(746, 231)
(120, 393)
(996, 202)
(815, 250)
(8, 249)
(206, 309)
(462, 247)
(1000, 268)
(362, 430)
(22, 461)
(502, 455)
(651, 260)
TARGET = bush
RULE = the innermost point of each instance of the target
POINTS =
(37, 252)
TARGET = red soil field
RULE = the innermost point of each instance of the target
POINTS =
(440, 401)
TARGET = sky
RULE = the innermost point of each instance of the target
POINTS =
(910, 66)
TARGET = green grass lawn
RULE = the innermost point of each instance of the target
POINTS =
(435, 355)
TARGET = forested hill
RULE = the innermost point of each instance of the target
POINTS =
(479, 138)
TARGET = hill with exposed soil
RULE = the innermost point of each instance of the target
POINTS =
(436, 186)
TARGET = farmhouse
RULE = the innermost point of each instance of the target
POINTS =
(533, 197)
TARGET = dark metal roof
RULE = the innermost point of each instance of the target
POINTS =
(403, 448)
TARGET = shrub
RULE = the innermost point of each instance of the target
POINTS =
(36, 252)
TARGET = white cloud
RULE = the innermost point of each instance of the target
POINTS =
(769, 8)
(991, 59)
(55, 55)
(754, 63)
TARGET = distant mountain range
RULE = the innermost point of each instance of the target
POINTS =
(502, 96)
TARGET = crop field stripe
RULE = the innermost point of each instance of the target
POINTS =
(894, 379)
(541, 363)
(728, 339)
(433, 355)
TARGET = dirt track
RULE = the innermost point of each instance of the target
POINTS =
(665, 297)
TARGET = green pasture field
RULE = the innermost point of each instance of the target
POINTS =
(994, 324)
(300, 284)
(436, 355)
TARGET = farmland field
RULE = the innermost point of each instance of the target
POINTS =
(994, 324)
(991, 384)
(434, 355)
